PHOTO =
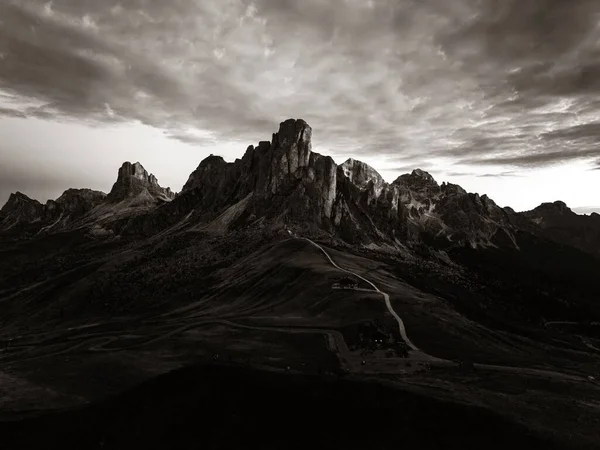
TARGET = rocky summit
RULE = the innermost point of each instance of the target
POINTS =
(133, 181)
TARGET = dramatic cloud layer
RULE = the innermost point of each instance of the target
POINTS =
(485, 87)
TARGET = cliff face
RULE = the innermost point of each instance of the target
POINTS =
(284, 180)
(283, 177)
(361, 174)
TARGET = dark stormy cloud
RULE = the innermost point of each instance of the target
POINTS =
(484, 88)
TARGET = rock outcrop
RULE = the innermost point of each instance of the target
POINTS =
(284, 178)
(20, 209)
(290, 154)
(75, 203)
(56, 215)
(134, 182)
(361, 174)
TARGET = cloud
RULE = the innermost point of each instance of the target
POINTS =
(536, 158)
(482, 83)
(483, 175)
(192, 137)
(498, 175)
(9, 112)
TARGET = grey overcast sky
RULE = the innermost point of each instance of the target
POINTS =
(502, 97)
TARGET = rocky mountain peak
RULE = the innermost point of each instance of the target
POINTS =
(561, 224)
(20, 208)
(133, 181)
(20, 195)
(282, 177)
(75, 201)
(452, 189)
(211, 160)
(561, 206)
(554, 208)
(422, 174)
(361, 174)
(293, 132)
(416, 179)
(207, 175)
(290, 153)
(73, 194)
(17, 200)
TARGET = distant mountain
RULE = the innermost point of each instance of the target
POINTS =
(23, 214)
(135, 190)
(282, 182)
(562, 225)
(20, 210)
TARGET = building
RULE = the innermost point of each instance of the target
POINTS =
(348, 283)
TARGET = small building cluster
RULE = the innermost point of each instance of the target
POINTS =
(374, 336)
(346, 283)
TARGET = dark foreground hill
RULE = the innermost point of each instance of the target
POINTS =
(228, 407)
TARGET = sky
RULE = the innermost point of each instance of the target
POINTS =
(501, 97)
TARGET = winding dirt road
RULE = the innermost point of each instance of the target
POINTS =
(403, 333)
(376, 289)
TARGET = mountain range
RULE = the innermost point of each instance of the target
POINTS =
(283, 181)
(285, 261)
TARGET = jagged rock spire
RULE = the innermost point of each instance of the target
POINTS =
(133, 180)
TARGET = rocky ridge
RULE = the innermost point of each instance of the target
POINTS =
(282, 182)
(559, 223)
(20, 209)
(55, 215)
(134, 191)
